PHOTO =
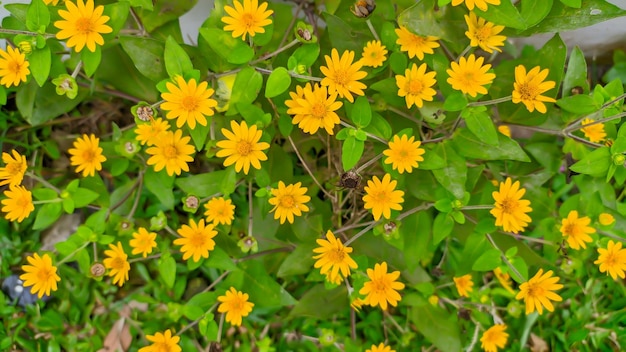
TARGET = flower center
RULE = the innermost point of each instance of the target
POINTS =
(414, 87)
(336, 255)
(84, 25)
(15, 67)
(197, 240)
(381, 197)
(468, 78)
(341, 77)
(118, 263)
(161, 347)
(380, 285)
(417, 40)
(248, 20)
(44, 274)
(482, 34)
(527, 91)
(611, 260)
(189, 103)
(170, 152)
(14, 168)
(508, 206)
(535, 290)
(287, 202)
(89, 156)
(22, 202)
(244, 148)
(318, 110)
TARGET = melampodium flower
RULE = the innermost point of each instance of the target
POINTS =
(242, 147)
(196, 239)
(595, 133)
(143, 242)
(484, 34)
(289, 201)
(382, 287)
(528, 88)
(481, 4)
(53, 2)
(117, 262)
(333, 257)
(576, 230)
(510, 210)
(13, 67)
(83, 25)
(235, 304)
(87, 155)
(171, 151)
(19, 203)
(342, 75)
(247, 19)
(382, 196)
(463, 285)
(40, 274)
(495, 337)
(404, 153)
(380, 348)
(415, 45)
(149, 133)
(315, 110)
(374, 54)
(538, 292)
(504, 278)
(162, 342)
(416, 85)
(293, 103)
(220, 211)
(188, 102)
(13, 170)
(606, 219)
(470, 76)
(612, 260)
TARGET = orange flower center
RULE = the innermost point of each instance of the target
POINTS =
(44, 274)
(380, 197)
(244, 148)
(417, 40)
(535, 290)
(170, 152)
(341, 77)
(22, 202)
(84, 25)
(161, 347)
(197, 239)
(482, 33)
(118, 263)
(318, 110)
(336, 255)
(527, 91)
(190, 103)
(508, 206)
(89, 155)
(414, 87)
(380, 285)
(612, 259)
(14, 168)
(248, 20)
(287, 201)
(15, 67)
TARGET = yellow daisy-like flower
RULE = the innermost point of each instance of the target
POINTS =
(510, 210)
(470, 76)
(249, 18)
(464, 285)
(83, 25)
(374, 54)
(196, 240)
(242, 147)
(53, 2)
(415, 45)
(416, 85)
(404, 153)
(236, 306)
(380, 348)
(538, 292)
(382, 287)
(117, 261)
(13, 67)
(333, 257)
(19, 203)
(87, 155)
(505, 130)
(342, 75)
(481, 4)
(433, 300)
(595, 133)
(220, 211)
(495, 337)
(612, 260)
(315, 110)
(606, 219)
(484, 34)
(292, 104)
(528, 88)
(382, 196)
(143, 242)
(149, 133)
(289, 201)
(504, 278)
(13, 170)
(171, 151)
(576, 230)
(357, 303)
(188, 102)
(40, 274)
(162, 342)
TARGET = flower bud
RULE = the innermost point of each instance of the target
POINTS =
(191, 203)
(25, 47)
(619, 159)
(66, 85)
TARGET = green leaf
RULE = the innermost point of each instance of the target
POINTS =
(202, 185)
(489, 260)
(456, 101)
(576, 74)
(437, 325)
(320, 303)
(453, 176)
(68, 205)
(344, 36)
(470, 146)
(37, 17)
(220, 260)
(504, 14)
(595, 163)
(351, 152)
(47, 215)
(233, 50)
(44, 194)
(416, 230)
(580, 104)
(177, 62)
(146, 4)
(285, 126)
(146, 55)
(277, 83)
(25, 99)
(40, 63)
(573, 3)
(432, 161)
(361, 112)
(533, 11)
(264, 291)
(423, 18)
(307, 54)
(160, 184)
(442, 227)
(91, 60)
(167, 270)
(379, 126)
(245, 89)
(83, 197)
(200, 133)
(298, 262)
(481, 126)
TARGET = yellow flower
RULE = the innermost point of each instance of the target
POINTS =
(382, 196)
(404, 153)
(415, 45)
(528, 88)
(143, 242)
(415, 85)
(357, 303)
(382, 287)
(505, 130)
(19, 203)
(495, 337)
(13, 67)
(117, 262)
(171, 151)
(333, 257)
(149, 133)
(315, 110)
(296, 96)
(481, 4)
(13, 171)
(87, 155)
(463, 285)
(196, 239)
(380, 348)
(576, 230)
(606, 219)
(247, 19)
(188, 102)
(83, 25)
(242, 147)
(612, 260)
(220, 211)
(342, 75)
(40, 274)
(289, 201)
(374, 54)
(484, 34)
(433, 300)
(470, 76)
(504, 278)
(595, 133)
(53, 2)
(162, 343)
(538, 292)
(235, 304)
(510, 210)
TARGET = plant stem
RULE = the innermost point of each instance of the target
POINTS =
(43, 182)
(34, 34)
(477, 207)
(79, 65)
(292, 74)
(274, 53)
(505, 259)
(71, 255)
(250, 209)
(371, 27)
(370, 162)
(306, 167)
(490, 102)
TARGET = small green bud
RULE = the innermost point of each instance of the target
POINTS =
(66, 85)
(619, 159)
(327, 337)
(158, 222)
(191, 203)
(248, 244)
(25, 47)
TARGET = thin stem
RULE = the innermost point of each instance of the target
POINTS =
(403, 114)
(154, 256)
(490, 102)
(34, 34)
(361, 233)
(371, 27)
(250, 209)
(71, 255)
(574, 126)
(216, 281)
(370, 162)
(219, 329)
(353, 226)
(465, 51)
(172, 232)
(477, 207)
(292, 74)
(306, 167)
(79, 65)
(43, 182)
(369, 135)
(137, 196)
(142, 29)
(55, 200)
(269, 251)
(474, 338)
(505, 259)
(393, 321)
(274, 53)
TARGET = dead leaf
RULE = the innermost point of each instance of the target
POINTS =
(537, 344)
(118, 339)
